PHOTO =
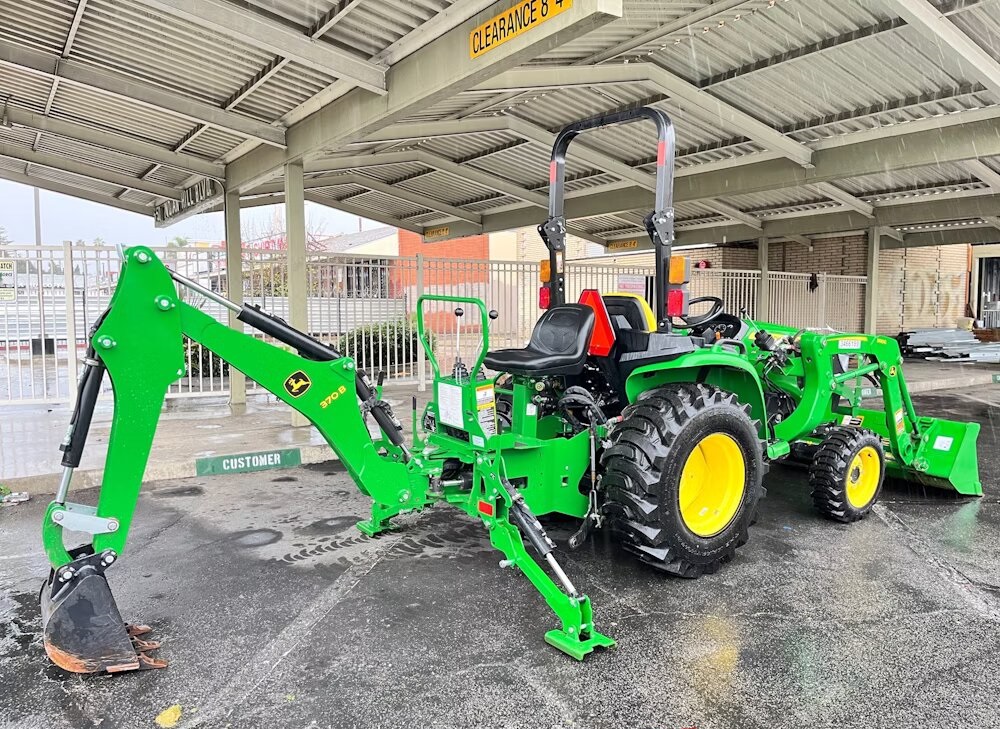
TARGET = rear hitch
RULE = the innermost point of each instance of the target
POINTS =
(83, 631)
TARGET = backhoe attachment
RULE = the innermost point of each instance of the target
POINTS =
(138, 343)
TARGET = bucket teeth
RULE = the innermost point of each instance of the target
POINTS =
(148, 662)
(135, 630)
(145, 645)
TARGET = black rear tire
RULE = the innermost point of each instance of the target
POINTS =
(642, 470)
(837, 470)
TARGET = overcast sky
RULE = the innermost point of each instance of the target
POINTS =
(68, 218)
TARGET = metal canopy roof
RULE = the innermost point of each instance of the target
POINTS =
(794, 117)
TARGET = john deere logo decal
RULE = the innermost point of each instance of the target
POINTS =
(297, 383)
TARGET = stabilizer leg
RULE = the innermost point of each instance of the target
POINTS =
(507, 516)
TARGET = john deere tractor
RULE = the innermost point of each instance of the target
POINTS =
(654, 423)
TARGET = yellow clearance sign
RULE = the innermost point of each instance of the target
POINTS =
(437, 232)
(623, 245)
(511, 23)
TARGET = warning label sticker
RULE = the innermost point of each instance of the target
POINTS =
(900, 423)
(943, 443)
(852, 421)
(8, 290)
(486, 406)
(509, 24)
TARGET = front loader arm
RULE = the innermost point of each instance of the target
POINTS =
(930, 450)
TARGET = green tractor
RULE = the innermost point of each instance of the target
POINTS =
(658, 428)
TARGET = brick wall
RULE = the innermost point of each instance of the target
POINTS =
(471, 248)
(531, 249)
(839, 255)
(920, 288)
(730, 258)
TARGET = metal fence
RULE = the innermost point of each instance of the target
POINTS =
(817, 301)
(365, 306)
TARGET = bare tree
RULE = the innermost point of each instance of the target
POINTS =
(270, 233)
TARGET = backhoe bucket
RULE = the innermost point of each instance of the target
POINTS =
(946, 457)
(82, 628)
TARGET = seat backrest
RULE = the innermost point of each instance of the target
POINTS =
(564, 329)
(630, 307)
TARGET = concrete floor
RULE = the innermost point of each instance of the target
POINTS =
(275, 612)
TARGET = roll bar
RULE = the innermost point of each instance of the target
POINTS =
(659, 222)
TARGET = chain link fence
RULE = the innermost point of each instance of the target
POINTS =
(364, 306)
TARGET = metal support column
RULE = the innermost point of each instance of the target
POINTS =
(295, 236)
(69, 284)
(422, 357)
(234, 286)
(763, 285)
(871, 287)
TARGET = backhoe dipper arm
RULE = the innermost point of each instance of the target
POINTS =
(140, 343)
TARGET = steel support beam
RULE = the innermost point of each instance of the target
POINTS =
(733, 213)
(295, 239)
(412, 197)
(947, 236)
(251, 28)
(981, 171)
(764, 284)
(115, 142)
(710, 108)
(920, 149)
(871, 287)
(82, 169)
(935, 26)
(844, 198)
(363, 212)
(840, 221)
(62, 189)
(436, 72)
(234, 287)
(432, 161)
(125, 87)
(685, 21)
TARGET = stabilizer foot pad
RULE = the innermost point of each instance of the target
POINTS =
(372, 529)
(575, 646)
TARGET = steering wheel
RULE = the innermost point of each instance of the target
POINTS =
(700, 320)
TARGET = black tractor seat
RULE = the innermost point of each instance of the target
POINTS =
(628, 309)
(558, 345)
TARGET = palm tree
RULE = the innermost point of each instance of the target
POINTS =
(178, 242)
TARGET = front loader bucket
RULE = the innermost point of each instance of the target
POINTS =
(82, 628)
(946, 457)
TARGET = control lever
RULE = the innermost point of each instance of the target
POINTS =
(493, 315)
(459, 370)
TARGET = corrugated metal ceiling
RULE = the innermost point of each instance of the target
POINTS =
(811, 69)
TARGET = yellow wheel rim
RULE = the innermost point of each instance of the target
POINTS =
(712, 485)
(862, 477)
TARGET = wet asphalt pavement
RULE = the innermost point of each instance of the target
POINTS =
(275, 612)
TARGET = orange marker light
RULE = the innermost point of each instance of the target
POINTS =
(680, 270)
(544, 271)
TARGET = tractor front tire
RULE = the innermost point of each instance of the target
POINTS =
(682, 477)
(847, 473)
